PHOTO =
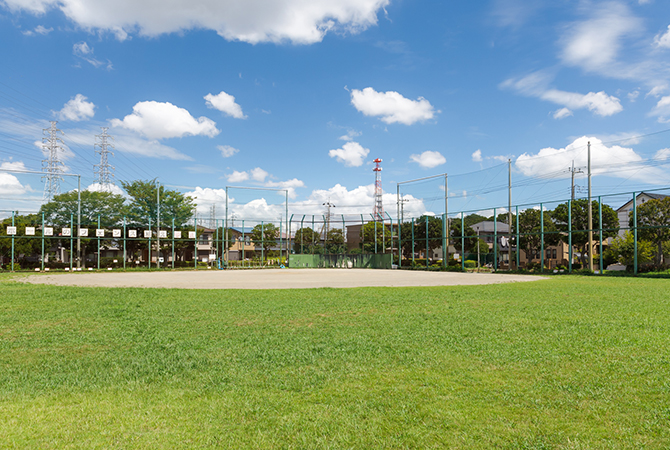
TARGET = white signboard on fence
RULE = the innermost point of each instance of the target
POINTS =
(99, 232)
(147, 233)
(11, 231)
(116, 233)
(191, 234)
(83, 232)
(30, 231)
(212, 257)
(177, 234)
(48, 231)
(66, 232)
(132, 233)
(162, 234)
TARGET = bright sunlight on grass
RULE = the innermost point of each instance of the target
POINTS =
(573, 362)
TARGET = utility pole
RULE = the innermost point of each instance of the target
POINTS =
(590, 212)
(509, 213)
(402, 208)
(104, 171)
(573, 171)
(328, 205)
(51, 145)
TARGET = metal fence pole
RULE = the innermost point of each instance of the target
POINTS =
(399, 244)
(71, 239)
(149, 249)
(412, 242)
(13, 241)
(635, 261)
(172, 235)
(98, 238)
(518, 257)
(42, 242)
(427, 241)
(375, 221)
(262, 245)
(195, 239)
(302, 235)
(244, 244)
(444, 241)
(569, 236)
(124, 243)
(541, 238)
(495, 240)
(462, 241)
(600, 234)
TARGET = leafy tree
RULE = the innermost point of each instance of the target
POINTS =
(384, 237)
(23, 246)
(144, 204)
(335, 241)
(305, 240)
(109, 207)
(653, 219)
(265, 235)
(530, 231)
(580, 239)
(622, 249)
(472, 219)
(456, 239)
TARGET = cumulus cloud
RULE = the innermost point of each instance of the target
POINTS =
(428, 159)
(258, 174)
(536, 85)
(352, 154)
(226, 104)
(227, 151)
(663, 39)
(252, 21)
(157, 120)
(237, 177)
(10, 185)
(39, 29)
(206, 197)
(392, 107)
(289, 185)
(350, 136)
(114, 189)
(662, 110)
(77, 109)
(477, 156)
(595, 43)
(615, 161)
(562, 113)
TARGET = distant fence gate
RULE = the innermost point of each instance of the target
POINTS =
(363, 261)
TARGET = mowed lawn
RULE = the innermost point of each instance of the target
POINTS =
(571, 362)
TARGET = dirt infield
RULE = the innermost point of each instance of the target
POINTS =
(275, 279)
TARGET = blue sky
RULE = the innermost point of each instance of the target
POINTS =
(303, 95)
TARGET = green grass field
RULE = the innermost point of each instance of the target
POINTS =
(571, 362)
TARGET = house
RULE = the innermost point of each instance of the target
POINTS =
(624, 211)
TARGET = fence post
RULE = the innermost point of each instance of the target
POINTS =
(71, 239)
(98, 238)
(172, 234)
(149, 250)
(569, 236)
(495, 240)
(600, 235)
(312, 252)
(375, 221)
(195, 240)
(244, 244)
(42, 242)
(541, 238)
(13, 242)
(427, 241)
(124, 243)
(399, 244)
(518, 257)
(412, 242)
(462, 241)
(635, 261)
(263, 245)
(444, 241)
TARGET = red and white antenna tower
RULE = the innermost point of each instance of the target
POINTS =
(378, 211)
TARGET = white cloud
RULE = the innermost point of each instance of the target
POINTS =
(593, 44)
(615, 161)
(258, 174)
(391, 106)
(206, 197)
(535, 85)
(237, 177)
(225, 103)
(83, 51)
(657, 91)
(663, 154)
(10, 185)
(477, 156)
(352, 154)
(15, 165)
(157, 120)
(289, 185)
(253, 21)
(662, 110)
(632, 96)
(227, 151)
(562, 113)
(39, 29)
(351, 134)
(428, 159)
(77, 109)
(114, 189)
(663, 40)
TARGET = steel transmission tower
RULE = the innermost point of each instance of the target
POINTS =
(378, 211)
(51, 145)
(104, 171)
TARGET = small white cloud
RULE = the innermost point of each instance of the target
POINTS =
(352, 154)
(39, 29)
(392, 107)
(157, 120)
(662, 110)
(206, 197)
(83, 51)
(237, 177)
(428, 159)
(663, 39)
(258, 174)
(226, 104)
(663, 154)
(289, 185)
(10, 185)
(13, 165)
(657, 91)
(114, 189)
(632, 96)
(477, 156)
(562, 113)
(351, 134)
(227, 151)
(77, 109)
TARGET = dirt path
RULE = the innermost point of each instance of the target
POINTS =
(275, 279)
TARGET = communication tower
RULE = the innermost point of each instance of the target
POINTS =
(52, 166)
(378, 211)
